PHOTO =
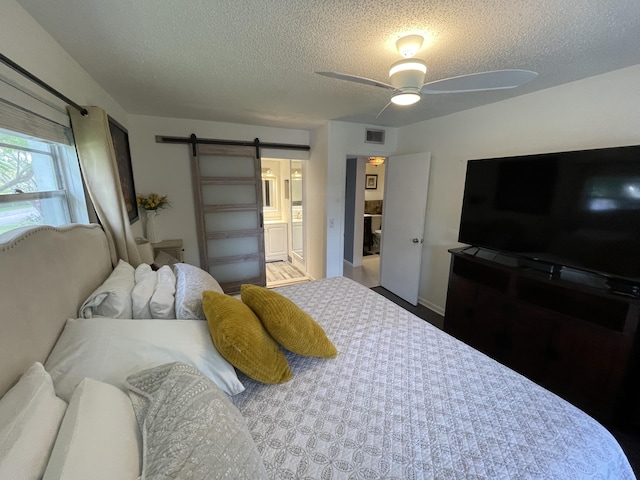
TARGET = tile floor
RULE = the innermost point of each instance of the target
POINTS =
(368, 274)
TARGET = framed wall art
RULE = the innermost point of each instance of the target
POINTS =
(371, 182)
(120, 138)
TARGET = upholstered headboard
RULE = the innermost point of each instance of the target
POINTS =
(45, 275)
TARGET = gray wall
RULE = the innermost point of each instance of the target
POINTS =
(349, 207)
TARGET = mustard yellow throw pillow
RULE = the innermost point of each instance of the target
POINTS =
(287, 323)
(242, 340)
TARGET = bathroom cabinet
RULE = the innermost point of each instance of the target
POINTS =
(275, 241)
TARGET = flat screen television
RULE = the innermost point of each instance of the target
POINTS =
(578, 209)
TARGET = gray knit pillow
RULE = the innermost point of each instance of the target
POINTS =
(190, 283)
(190, 428)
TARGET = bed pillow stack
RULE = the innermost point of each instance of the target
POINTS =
(30, 415)
(191, 283)
(98, 438)
(240, 338)
(249, 333)
(112, 299)
(133, 293)
(154, 293)
(288, 324)
(190, 428)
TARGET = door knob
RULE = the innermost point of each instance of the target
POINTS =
(415, 240)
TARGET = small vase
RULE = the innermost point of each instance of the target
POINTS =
(152, 231)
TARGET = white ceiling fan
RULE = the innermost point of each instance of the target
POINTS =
(406, 77)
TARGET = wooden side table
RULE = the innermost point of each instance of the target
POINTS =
(170, 247)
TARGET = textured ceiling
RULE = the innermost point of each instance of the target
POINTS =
(253, 61)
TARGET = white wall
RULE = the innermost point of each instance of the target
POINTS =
(25, 42)
(345, 139)
(314, 201)
(601, 111)
(165, 168)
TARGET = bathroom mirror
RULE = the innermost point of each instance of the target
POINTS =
(297, 221)
(269, 190)
(296, 186)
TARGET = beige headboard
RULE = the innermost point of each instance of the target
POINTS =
(45, 275)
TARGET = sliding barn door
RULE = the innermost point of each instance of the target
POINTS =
(228, 195)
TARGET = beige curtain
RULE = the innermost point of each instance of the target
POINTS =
(100, 173)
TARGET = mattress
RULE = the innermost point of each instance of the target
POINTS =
(405, 400)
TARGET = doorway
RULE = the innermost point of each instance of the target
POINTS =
(283, 212)
(364, 200)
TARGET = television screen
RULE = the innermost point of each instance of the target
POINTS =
(577, 209)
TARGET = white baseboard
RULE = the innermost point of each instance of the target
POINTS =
(431, 306)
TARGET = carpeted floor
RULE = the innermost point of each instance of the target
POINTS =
(628, 440)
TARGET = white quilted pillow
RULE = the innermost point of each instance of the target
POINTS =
(113, 298)
(162, 303)
(190, 283)
(143, 291)
(30, 415)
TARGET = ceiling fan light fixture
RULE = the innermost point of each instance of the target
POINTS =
(408, 65)
(408, 74)
(409, 45)
(377, 161)
(406, 98)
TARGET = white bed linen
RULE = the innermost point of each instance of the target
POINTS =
(109, 350)
(405, 400)
(162, 303)
(112, 298)
(146, 280)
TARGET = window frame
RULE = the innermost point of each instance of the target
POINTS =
(68, 179)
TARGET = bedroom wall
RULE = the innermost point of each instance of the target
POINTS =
(165, 169)
(25, 42)
(315, 201)
(600, 111)
(345, 139)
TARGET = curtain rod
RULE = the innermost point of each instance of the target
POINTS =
(11, 64)
(193, 141)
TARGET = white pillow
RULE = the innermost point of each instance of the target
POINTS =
(143, 291)
(162, 303)
(99, 438)
(112, 349)
(190, 283)
(30, 415)
(113, 298)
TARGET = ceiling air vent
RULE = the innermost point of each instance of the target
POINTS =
(374, 136)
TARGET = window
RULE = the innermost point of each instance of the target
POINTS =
(40, 183)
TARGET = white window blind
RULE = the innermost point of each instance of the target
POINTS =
(23, 110)
(40, 180)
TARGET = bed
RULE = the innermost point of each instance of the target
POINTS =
(401, 400)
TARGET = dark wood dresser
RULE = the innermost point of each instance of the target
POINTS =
(570, 336)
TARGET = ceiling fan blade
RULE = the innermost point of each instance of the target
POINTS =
(477, 82)
(383, 109)
(354, 78)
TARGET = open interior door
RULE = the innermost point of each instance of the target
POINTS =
(403, 216)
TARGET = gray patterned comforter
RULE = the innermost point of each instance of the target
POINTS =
(405, 400)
